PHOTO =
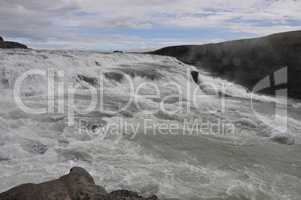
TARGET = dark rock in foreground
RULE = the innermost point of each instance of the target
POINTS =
(11, 45)
(77, 185)
(246, 62)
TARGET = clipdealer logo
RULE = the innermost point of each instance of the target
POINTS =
(277, 109)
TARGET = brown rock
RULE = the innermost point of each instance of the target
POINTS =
(77, 185)
(127, 195)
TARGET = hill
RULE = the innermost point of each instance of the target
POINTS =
(247, 61)
(11, 45)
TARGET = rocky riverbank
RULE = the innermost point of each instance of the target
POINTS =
(77, 185)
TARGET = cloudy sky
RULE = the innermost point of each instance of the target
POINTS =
(142, 24)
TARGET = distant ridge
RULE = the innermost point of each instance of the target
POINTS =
(247, 61)
(11, 45)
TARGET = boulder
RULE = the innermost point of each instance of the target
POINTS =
(127, 195)
(77, 185)
(1, 39)
(195, 76)
(283, 139)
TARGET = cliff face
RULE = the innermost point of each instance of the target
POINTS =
(11, 45)
(246, 62)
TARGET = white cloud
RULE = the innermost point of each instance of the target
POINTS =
(57, 21)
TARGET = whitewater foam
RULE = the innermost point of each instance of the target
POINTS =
(35, 148)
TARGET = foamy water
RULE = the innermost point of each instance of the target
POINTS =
(210, 141)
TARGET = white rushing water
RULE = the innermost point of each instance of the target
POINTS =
(152, 130)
